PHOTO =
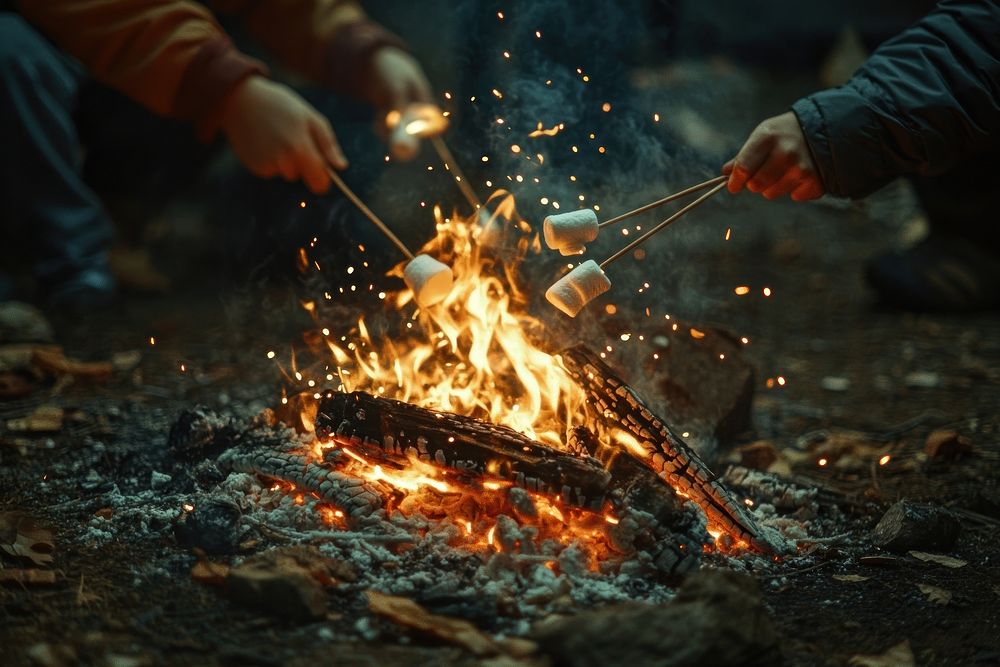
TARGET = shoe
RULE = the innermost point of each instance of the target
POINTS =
(942, 273)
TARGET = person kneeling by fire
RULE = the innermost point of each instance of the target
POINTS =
(173, 58)
(925, 105)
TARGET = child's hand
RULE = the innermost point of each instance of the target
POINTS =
(774, 161)
(273, 131)
(395, 80)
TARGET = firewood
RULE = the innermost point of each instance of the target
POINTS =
(356, 497)
(400, 430)
(619, 407)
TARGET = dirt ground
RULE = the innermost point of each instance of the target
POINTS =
(127, 600)
(851, 371)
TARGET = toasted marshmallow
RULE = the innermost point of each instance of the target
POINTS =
(429, 279)
(570, 230)
(578, 287)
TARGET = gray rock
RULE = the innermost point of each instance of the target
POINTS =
(282, 590)
(213, 526)
(718, 618)
(908, 525)
(23, 323)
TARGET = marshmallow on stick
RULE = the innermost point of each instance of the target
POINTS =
(578, 287)
(429, 279)
(417, 121)
(570, 231)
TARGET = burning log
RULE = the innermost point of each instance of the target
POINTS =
(352, 494)
(659, 448)
(398, 430)
(651, 518)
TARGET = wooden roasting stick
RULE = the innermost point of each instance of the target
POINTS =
(619, 407)
(666, 200)
(448, 159)
(339, 182)
(669, 221)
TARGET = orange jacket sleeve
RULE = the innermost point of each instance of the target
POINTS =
(169, 55)
(326, 40)
(173, 57)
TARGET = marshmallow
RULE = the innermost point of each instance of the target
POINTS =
(573, 229)
(574, 290)
(429, 279)
(572, 250)
(417, 121)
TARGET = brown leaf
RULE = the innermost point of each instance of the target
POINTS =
(55, 362)
(456, 631)
(45, 419)
(209, 573)
(940, 559)
(28, 577)
(29, 540)
(14, 385)
(946, 445)
(900, 655)
(934, 594)
(123, 362)
(850, 577)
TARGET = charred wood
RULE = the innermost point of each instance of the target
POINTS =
(401, 430)
(619, 407)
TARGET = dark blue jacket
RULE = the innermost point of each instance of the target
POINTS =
(926, 100)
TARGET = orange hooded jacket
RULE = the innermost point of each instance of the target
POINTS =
(173, 57)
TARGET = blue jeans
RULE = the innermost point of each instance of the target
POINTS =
(47, 208)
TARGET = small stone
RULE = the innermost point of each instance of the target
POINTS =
(281, 588)
(908, 525)
(718, 618)
(159, 480)
(834, 383)
(758, 455)
(212, 526)
(923, 380)
(23, 323)
(946, 445)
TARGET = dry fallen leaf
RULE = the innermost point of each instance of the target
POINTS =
(934, 594)
(900, 655)
(123, 362)
(22, 538)
(55, 362)
(940, 559)
(408, 613)
(850, 577)
(28, 577)
(207, 572)
(45, 419)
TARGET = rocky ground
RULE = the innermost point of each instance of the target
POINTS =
(854, 409)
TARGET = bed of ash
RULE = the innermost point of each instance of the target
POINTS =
(506, 587)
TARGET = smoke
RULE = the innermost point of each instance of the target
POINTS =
(569, 65)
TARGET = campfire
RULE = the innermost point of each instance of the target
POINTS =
(463, 415)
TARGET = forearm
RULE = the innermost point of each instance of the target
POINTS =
(169, 55)
(329, 41)
(923, 102)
